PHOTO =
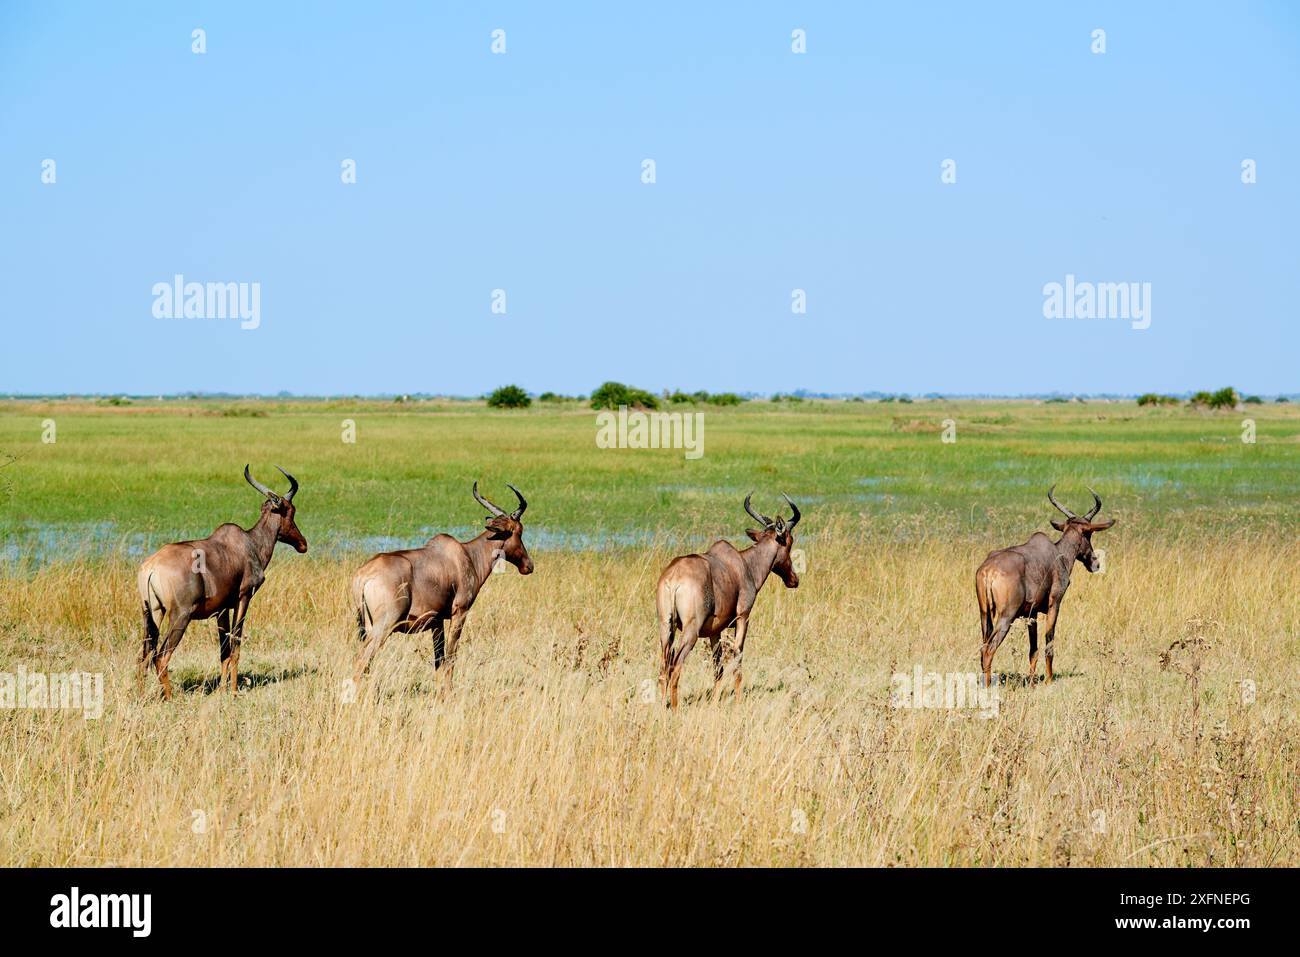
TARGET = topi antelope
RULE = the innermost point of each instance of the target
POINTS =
(433, 588)
(1030, 580)
(217, 575)
(702, 595)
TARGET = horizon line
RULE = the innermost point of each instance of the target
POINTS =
(199, 395)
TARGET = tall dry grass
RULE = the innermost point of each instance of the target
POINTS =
(549, 753)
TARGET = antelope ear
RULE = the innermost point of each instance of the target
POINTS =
(1058, 524)
(498, 527)
(1100, 526)
(753, 533)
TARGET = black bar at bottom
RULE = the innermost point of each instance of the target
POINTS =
(338, 906)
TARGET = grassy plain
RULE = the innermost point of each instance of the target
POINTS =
(551, 751)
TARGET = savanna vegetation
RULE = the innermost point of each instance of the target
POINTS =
(1168, 738)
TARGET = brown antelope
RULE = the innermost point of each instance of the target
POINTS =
(433, 588)
(1030, 580)
(217, 575)
(702, 595)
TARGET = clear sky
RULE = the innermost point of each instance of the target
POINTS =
(775, 171)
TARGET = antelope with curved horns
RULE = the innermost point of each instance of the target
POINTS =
(1029, 580)
(433, 588)
(217, 575)
(703, 595)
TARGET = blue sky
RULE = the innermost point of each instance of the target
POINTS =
(775, 171)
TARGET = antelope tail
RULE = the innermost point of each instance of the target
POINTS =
(152, 600)
(364, 618)
(668, 606)
(989, 611)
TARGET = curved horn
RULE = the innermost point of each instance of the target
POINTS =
(485, 503)
(258, 485)
(794, 519)
(293, 485)
(757, 516)
(1064, 511)
(1095, 509)
(523, 502)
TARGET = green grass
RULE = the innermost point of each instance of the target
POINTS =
(156, 471)
(550, 729)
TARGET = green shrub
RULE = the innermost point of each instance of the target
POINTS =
(678, 397)
(611, 395)
(1225, 398)
(1253, 400)
(1154, 398)
(509, 397)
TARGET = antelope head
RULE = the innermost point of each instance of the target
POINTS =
(282, 507)
(1083, 527)
(506, 532)
(779, 531)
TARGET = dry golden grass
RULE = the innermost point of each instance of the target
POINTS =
(548, 753)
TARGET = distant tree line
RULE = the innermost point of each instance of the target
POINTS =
(612, 395)
(1225, 398)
